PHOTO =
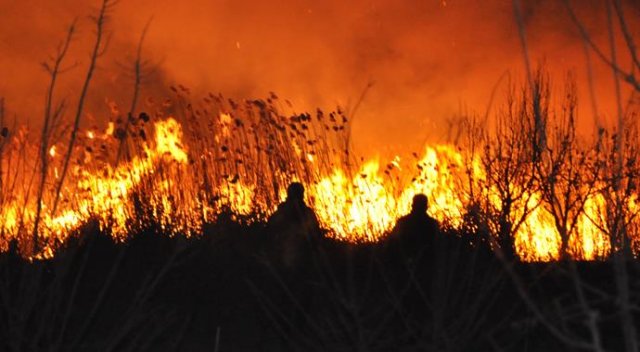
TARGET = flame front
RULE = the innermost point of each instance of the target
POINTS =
(183, 190)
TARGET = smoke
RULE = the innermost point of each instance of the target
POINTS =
(424, 61)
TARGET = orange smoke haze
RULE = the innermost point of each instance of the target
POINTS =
(427, 61)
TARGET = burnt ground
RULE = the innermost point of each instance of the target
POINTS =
(227, 291)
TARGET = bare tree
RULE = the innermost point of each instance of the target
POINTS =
(509, 182)
(99, 48)
(616, 217)
(564, 186)
(51, 120)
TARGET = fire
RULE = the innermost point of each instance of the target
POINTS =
(111, 127)
(169, 140)
(589, 241)
(105, 195)
(357, 209)
(537, 239)
(166, 184)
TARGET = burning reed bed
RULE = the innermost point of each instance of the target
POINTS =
(182, 165)
(535, 195)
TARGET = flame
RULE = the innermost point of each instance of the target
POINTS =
(105, 195)
(110, 129)
(356, 209)
(164, 185)
(538, 239)
(169, 140)
(225, 121)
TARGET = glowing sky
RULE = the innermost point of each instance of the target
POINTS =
(428, 60)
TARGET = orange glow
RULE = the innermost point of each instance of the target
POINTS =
(444, 50)
(418, 62)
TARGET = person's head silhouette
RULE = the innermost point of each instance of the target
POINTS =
(295, 192)
(419, 204)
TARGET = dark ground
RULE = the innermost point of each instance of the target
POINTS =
(227, 292)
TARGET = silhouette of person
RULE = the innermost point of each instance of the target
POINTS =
(13, 250)
(294, 227)
(295, 235)
(417, 230)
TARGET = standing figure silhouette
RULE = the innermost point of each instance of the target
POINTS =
(415, 232)
(294, 228)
